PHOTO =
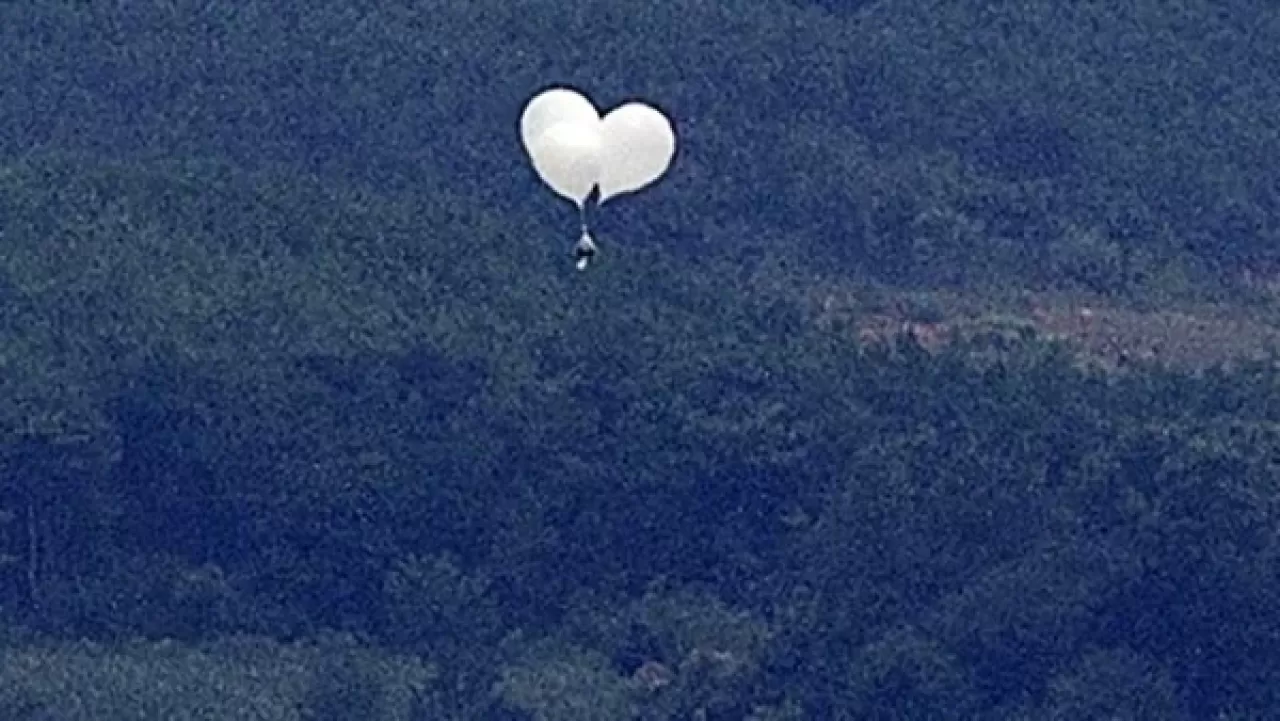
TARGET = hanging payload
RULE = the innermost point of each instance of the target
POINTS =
(577, 153)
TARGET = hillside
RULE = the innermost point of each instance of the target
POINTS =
(918, 389)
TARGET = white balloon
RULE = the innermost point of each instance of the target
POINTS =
(639, 144)
(574, 150)
(553, 106)
(567, 157)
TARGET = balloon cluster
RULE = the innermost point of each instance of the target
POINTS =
(576, 151)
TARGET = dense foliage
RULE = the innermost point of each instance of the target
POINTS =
(295, 372)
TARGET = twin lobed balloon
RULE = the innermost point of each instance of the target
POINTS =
(574, 150)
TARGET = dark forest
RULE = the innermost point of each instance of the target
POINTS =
(305, 414)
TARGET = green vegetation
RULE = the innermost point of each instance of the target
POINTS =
(304, 414)
(237, 678)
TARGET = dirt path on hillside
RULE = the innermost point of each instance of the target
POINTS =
(1189, 337)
